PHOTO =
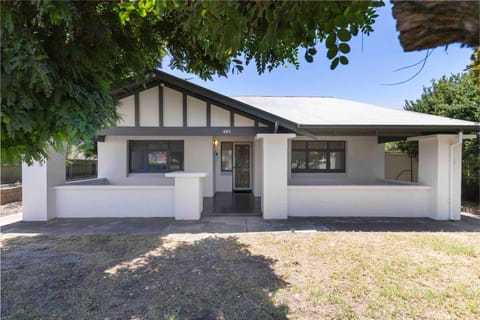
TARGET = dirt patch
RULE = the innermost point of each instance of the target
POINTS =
(11, 208)
(276, 275)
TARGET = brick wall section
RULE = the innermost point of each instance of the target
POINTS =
(10, 195)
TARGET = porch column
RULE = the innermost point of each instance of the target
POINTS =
(188, 201)
(274, 175)
(38, 181)
(440, 167)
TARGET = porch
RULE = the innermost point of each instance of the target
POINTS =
(232, 204)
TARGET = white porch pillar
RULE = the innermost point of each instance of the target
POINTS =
(440, 167)
(275, 175)
(38, 181)
(188, 194)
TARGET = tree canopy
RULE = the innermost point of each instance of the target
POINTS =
(456, 96)
(60, 60)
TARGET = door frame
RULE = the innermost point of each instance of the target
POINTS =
(250, 169)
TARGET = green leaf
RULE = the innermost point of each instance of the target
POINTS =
(332, 52)
(334, 64)
(309, 58)
(343, 60)
(312, 51)
(344, 47)
(331, 40)
(344, 35)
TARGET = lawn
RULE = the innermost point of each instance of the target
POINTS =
(309, 275)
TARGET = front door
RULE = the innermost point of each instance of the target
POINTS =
(242, 166)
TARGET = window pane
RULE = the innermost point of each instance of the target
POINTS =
(157, 146)
(227, 156)
(176, 160)
(137, 160)
(337, 160)
(299, 145)
(336, 144)
(317, 160)
(298, 160)
(157, 160)
(317, 145)
(176, 146)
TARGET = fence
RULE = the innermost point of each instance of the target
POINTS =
(11, 174)
(77, 169)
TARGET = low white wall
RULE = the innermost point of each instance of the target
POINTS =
(359, 201)
(105, 201)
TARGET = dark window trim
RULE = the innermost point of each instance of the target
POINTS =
(221, 155)
(327, 150)
(149, 170)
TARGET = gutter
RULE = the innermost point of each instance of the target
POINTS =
(451, 146)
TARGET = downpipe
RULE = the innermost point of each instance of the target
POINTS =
(451, 146)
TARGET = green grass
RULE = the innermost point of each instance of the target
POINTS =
(331, 275)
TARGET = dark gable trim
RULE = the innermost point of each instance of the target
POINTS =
(159, 77)
(184, 109)
(209, 116)
(188, 131)
(160, 106)
(137, 109)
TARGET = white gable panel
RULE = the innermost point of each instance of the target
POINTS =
(219, 117)
(260, 124)
(241, 121)
(126, 111)
(196, 112)
(148, 105)
(172, 108)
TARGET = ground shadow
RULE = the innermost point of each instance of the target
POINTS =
(136, 276)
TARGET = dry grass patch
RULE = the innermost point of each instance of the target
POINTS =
(332, 275)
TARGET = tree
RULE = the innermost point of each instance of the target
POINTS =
(61, 59)
(430, 24)
(458, 97)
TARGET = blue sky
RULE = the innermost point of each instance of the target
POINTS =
(361, 80)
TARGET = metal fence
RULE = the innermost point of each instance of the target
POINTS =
(76, 169)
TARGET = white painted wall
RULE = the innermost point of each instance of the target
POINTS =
(172, 108)
(188, 195)
(223, 180)
(275, 175)
(126, 111)
(359, 201)
(241, 121)
(364, 163)
(38, 181)
(148, 108)
(103, 201)
(436, 171)
(219, 117)
(257, 167)
(196, 112)
(113, 161)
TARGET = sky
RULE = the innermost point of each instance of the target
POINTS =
(363, 79)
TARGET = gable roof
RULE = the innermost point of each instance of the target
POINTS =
(327, 112)
(312, 114)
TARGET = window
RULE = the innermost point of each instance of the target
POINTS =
(227, 156)
(318, 156)
(155, 156)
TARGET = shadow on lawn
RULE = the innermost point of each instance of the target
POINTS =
(136, 276)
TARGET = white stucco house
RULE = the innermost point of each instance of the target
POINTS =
(179, 145)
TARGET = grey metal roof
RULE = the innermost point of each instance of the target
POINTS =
(322, 112)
